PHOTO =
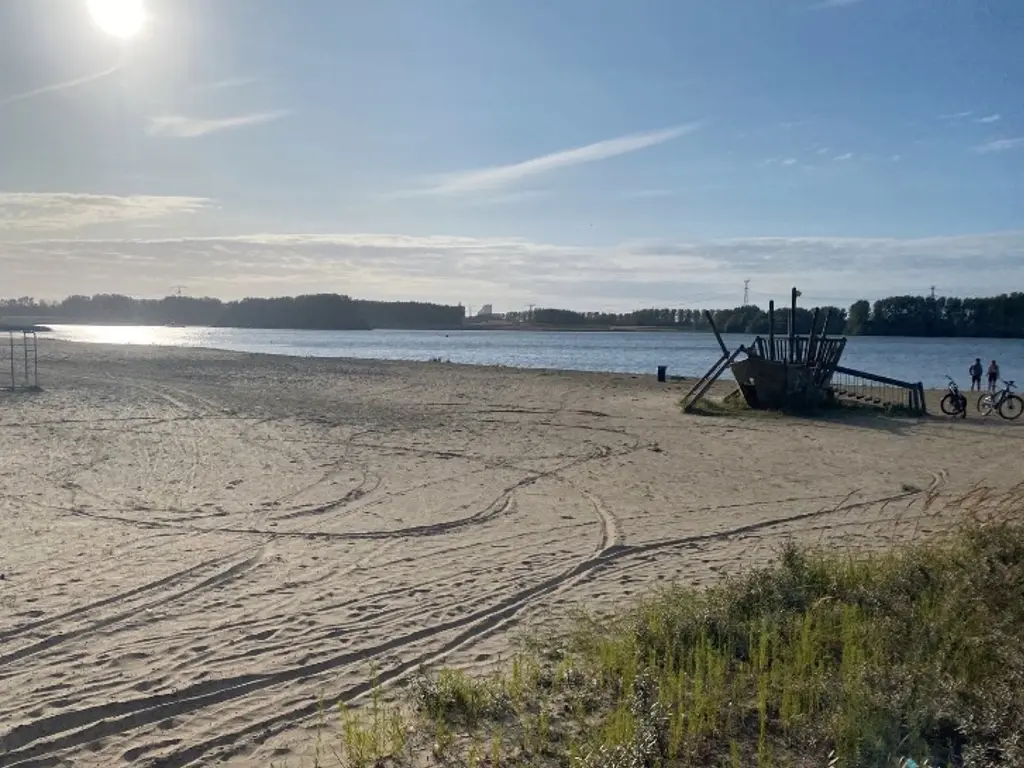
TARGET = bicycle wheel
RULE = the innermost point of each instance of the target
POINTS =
(985, 404)
(950, 404)
(1011, 407)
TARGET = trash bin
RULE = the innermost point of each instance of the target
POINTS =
(661, 372)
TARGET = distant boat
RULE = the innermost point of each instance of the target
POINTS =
(175, 325)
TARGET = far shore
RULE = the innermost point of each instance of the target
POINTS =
(522, 327)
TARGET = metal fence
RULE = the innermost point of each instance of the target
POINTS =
(19, 359)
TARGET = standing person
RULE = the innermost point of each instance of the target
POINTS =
(993, 376)
(976, 370)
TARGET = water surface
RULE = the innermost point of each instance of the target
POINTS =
(685, 354)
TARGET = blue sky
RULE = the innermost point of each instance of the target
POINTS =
(581, 153)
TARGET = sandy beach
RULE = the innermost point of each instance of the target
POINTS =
(196, 546)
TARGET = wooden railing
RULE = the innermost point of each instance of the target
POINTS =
(880, 391)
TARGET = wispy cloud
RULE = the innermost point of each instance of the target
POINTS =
(230, 82)
(845, 156)
(988, 119)
(62, 86)
(826, 4)
(183, 127)
(499, 176)
(999, 145)
(783, 161)
(34, 212)
(954, 117)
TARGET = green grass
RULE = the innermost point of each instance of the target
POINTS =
(731, 404)
(821, 659)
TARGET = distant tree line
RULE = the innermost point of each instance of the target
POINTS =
(313, 312)
(997, 316)
(748, 319)
(993, 317)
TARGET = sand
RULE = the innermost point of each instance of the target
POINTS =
(197, 545)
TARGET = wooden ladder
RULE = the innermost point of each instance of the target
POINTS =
(700, 389)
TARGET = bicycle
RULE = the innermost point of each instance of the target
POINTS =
(954, 402)
(1008, 405)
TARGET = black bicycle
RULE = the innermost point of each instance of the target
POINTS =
(954, 402)
(1008, 405)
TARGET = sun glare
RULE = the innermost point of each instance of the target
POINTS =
(118, 18)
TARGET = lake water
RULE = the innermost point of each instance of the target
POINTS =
(685, 354)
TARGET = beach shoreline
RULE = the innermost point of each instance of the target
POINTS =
(198, 544)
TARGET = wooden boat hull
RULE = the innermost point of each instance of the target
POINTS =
(777, 385)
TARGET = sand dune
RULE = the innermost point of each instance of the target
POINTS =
(195, 545)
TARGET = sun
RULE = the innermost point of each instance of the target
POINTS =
(118, 18)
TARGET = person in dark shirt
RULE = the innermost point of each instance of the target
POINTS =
(993, 376)
(976, 370)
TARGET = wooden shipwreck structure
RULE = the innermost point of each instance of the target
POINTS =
(800, 372)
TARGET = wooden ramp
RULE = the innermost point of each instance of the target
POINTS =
(704, 384)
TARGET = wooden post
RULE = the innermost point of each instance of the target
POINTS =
(24, 341)
(824, 328)
(35, 359)
(711, 322)
(792, 326)
(13, 374)
(809, 351)
(771, 329)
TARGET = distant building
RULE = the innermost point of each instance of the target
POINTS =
(485, 311)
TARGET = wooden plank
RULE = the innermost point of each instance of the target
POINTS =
(810, 337)
(771, 328)
(700, 381)
(792, 325)
(712, 376)
(824, 326)
(711, 322)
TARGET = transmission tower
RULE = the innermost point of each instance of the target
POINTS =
(933, 291)
(746, 293)
(178, 290)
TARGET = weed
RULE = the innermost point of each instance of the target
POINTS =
(453, 696)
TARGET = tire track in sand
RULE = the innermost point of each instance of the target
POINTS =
(217, 579)
(117, 599)
(45, 737)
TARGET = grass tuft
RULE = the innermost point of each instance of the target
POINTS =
(452, 697)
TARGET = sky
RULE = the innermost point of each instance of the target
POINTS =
(588, 154)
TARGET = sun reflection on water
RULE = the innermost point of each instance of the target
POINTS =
(145, 335)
